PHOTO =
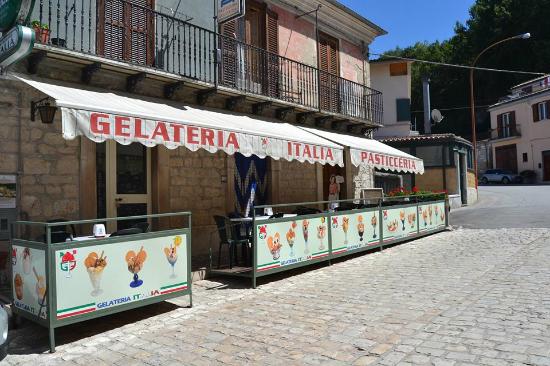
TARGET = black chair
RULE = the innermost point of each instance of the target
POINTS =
(143, 226)
(303, 210)
(130, 231)
(277, 215)
(228, 236)
(59, 236)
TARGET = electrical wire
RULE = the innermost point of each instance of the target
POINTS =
(456, 108)
(459, 66)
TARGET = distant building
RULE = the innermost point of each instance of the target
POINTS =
(520, 129)
(393, 79)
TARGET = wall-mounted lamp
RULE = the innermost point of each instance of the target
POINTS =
(46, 111)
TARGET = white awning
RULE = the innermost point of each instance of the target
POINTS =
(104, 115)
(374, 153)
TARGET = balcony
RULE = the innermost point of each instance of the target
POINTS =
(134, 35)
(506, 132)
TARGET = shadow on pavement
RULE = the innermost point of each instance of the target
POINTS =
(30, 338)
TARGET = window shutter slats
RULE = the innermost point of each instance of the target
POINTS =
(272, 45)
(536, 113)
(228, 45)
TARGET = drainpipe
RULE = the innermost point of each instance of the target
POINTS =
(218, 51)
(427, 107)
(19, 176)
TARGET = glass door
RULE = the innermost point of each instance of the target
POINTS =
(128, 182)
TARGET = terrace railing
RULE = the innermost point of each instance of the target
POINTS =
(131, 32)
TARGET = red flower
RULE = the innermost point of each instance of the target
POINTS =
(415, 189)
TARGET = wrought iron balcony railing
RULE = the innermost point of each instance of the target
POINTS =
(131, 32)
(506, 132)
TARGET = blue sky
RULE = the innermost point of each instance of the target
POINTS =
(409, 21)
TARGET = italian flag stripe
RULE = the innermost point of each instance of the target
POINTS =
(265, 267)
(77, 310)
(176, 289)
(172, 286)
(339, 250)
(320, 254)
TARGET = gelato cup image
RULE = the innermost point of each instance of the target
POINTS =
(135, 263)
(95, 266)
(18, 286)
(27, 261)
(172, 254)
(274, 245)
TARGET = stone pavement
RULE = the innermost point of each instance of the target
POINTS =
(465, 297)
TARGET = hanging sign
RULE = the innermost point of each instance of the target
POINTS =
(15, 44)
(229, 10)
(14, 11)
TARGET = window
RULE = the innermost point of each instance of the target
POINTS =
(525, 157)
(398, 69)
(540, 111)
(403, 109)
(506, 124)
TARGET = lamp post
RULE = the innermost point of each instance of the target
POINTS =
(472, 103)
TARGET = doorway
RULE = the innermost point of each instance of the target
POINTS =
(334, 185)
(463, 171)
(546, 165)
(123, 176)
(506, 158)
(330, 70)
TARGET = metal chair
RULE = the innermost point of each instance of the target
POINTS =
(228, 236)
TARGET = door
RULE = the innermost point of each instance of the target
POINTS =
(126, 30)
(334, 187)
(329, 69)
(123, 182)
(463, 178)
(251, 178)
(506, 158)
(546, 165)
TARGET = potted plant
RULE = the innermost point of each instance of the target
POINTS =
(42, 32)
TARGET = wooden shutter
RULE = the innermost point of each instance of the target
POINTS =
(512, 123)
(126, 30)
(272, 46)
(328, 64)
(536, 116)
(228, 46)
(548, 109)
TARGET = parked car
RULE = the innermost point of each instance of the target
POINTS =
(500, 176)
(3, 333)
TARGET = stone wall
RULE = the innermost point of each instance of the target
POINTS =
(298, 182)
(196, 185)
(49, 171)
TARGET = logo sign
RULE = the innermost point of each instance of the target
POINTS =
(14, 11)
(68, 262)
(15, 44)
(229, 10)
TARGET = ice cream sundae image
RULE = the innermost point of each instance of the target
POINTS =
(291, 237)
(18, 286)
(425, 217)
(411, 219)
(274, 245)
(94, 266)
(436, 209)
(40, 288)
(442, 215)
(360, 227)
(305, 232)
(345, 227)
(402, 218)
(172, 254)
(321, 233)
(373, 222)
(135, 263)
(430, 212)
(393, 225)
(27, 261)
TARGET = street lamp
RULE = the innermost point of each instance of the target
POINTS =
(472, 104)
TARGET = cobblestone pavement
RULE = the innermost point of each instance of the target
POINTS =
(465, 297)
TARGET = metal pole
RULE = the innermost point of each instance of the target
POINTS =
(472, 102)
(318, 56)
(427, 106)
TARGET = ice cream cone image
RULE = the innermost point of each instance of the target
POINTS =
(402, 218)
(321, 233)
(135, 263)
(18, 286)
(27, 261)
(425, 217)
(373, 222)
(274, 245)
(360, 227)
(305, 232)
(430, 212)
(442, 216)
(40, 288)
(172, 254)
(291, 236)
(345, 227)
(411, 218)
(94, 266)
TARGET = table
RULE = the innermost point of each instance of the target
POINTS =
(91, 237)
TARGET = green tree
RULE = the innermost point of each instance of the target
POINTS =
(490, 21)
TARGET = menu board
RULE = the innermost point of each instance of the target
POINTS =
(354, 231)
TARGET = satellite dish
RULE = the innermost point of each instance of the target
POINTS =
(436, 116)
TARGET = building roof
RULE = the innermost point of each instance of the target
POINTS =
(338, 4)
(530, 81)
(383, 60)
(519, 98)
(426, 139)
